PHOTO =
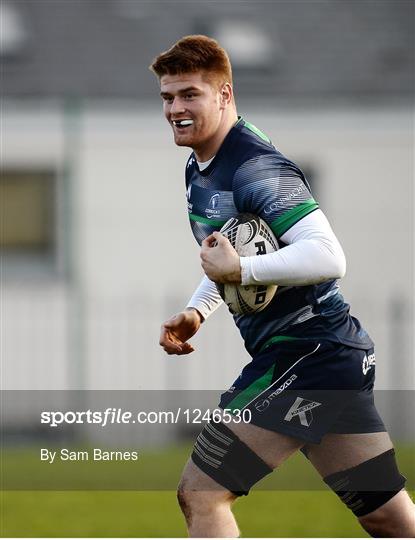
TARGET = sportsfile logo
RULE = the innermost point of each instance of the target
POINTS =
(263, 404)
(302, 408)
(368, 362)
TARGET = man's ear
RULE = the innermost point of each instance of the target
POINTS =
(226, 95)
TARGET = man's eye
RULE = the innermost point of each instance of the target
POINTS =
(189, 96)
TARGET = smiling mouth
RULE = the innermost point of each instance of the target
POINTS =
(182, 123)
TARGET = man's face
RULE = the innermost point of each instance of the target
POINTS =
(192, 107)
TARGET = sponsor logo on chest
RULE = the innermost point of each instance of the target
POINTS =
(212, 210)
(209, 203)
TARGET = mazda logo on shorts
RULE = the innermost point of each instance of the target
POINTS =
(261, 405)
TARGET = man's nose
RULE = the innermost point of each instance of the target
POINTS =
(177, 106)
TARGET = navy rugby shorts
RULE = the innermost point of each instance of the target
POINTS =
(306, 389)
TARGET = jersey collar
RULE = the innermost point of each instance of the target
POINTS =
(226, 143)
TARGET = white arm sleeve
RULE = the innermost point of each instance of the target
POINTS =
(206, 298)
(313, 255)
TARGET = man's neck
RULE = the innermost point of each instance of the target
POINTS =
(211, 147)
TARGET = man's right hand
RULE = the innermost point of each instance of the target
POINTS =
(176, 331)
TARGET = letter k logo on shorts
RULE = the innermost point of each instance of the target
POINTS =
(302, 411)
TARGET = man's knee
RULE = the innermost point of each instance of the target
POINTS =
(378, 525)
(368, 486)
(195, 499)
(394, 519)
(185, 500)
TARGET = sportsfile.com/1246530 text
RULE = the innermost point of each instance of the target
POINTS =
(112, 415)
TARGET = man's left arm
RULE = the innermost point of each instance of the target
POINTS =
(312, 255)
(278, 193)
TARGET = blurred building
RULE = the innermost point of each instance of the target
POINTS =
(97, 251)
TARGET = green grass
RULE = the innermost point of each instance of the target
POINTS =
(156, 514)
(282, 508)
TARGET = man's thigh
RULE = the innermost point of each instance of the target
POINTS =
(339, 452)
(270, 446)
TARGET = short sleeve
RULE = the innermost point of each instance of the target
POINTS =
(273, 189)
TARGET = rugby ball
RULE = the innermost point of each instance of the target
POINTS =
(249, 235)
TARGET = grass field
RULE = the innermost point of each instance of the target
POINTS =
(280, 509)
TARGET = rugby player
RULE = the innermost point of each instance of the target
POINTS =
(309, 385)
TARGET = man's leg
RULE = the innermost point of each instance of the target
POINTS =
(206, 504)
(394, 519)
(342, 452)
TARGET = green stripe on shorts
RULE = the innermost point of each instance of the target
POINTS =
(251, 391)
(277, 339)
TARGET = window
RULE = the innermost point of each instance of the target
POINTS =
(27, 210)
(28, 221)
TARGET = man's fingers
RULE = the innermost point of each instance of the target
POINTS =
(222, 240)
(187, 348)
(212, 240)
(172, 349)
(218, 239)
(170, 337)
(172, 344)
(167, 338)
(206, 243)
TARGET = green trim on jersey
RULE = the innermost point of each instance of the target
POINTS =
(214, 222)
(251, 391)
(287, 220)
(257, 131)
(277, 339)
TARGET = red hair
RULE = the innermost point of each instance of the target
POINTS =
(192, 54)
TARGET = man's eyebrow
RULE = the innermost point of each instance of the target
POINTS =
(182, 91)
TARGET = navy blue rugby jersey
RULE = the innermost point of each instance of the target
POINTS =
(248, 174)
